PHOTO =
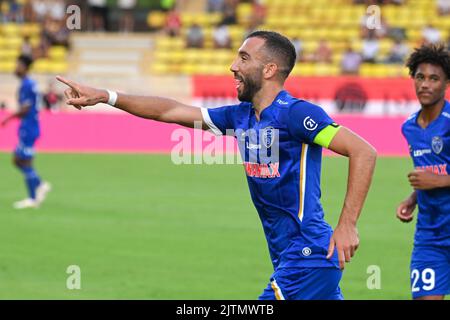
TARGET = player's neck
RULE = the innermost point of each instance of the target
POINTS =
(430, 113)
(265, 97)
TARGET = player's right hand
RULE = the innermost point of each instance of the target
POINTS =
(405, 210)
(82, 96)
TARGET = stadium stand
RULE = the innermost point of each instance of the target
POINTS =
(340, 22)
(44, 40)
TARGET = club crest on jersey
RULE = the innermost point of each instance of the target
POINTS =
(310, 124)
(437, 144)
(268, 136)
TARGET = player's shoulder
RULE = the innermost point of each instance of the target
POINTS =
(28, 80)
(29, 83)
(411, 120)
(241, 107)
(446, 111)
(304, 107)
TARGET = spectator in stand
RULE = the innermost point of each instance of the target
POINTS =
(15, 13)
(221, 37)
(194, 37)
(173, 23)
(398, 52)
(351, 62)
(98, 15)
(57, 10)
(215, 6)
(370, 48)
(443, 7)
(229, 12)
(126, 8)
(259, 12)
(430, 35)
(39, 10)
(323, 53)
(50, 98)
(27, 48)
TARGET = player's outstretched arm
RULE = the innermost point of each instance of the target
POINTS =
(362, 158)
(148, 107)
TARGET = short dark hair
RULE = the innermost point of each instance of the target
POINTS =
(280, 47)
(436, 54)
(25, 60)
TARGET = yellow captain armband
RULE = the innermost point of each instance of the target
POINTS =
(324, 137)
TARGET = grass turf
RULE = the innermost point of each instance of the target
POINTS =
(140, 227)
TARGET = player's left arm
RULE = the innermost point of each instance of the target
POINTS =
(22, 112)
(362, 157)
(425, 180)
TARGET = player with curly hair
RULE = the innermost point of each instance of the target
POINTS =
(428, 134)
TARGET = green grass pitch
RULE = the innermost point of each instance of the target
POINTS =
(140, 227)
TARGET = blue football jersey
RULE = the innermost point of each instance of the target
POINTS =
(283, 168)
(28, 95)
(430, 150)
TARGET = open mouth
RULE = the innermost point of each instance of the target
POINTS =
(238, 83)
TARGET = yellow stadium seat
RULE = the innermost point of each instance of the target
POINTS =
(41, 66)
(57, 53)
(156, 19)
(159, 68)
(31, 29)
(10, 29)
(244, 12)
(306, 69)
(57, 67)
(7, 66)
(13, 42)
(9, 54)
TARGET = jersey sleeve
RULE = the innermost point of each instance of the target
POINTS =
(218, 119)
(306, 120)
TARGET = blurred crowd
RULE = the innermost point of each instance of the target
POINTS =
(221, 33)
(352, 57)
(50, 14)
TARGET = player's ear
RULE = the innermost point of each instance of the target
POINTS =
(270, 70)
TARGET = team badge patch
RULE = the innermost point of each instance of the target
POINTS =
(437, 144)
(268, 136)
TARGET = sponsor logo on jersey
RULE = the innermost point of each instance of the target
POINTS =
(440, 169)
(262, 170)
(421, 152)
(437, 144)
(282, 102)
(310, 124)
(446, 114)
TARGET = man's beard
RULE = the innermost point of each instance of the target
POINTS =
(251, 87)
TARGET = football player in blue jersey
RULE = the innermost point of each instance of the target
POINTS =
(428, 135)
(29, 132)
(280, 140)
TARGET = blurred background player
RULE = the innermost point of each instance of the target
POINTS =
(428, 134)
(29, 132)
